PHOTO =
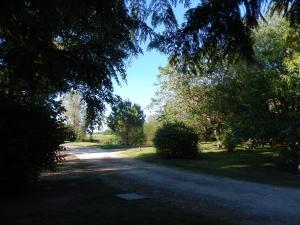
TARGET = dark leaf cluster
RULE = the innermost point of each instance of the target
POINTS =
(217, 28)
(30, 142)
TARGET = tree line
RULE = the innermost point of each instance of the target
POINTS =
(234, 101)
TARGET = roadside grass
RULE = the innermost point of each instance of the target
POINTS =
(86, 200)
(250, 165)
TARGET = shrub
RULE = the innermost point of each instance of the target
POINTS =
(289, 159)
(30, 140)
(175, 140)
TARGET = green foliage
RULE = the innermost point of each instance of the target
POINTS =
(108, 139)
(256, 101)
(30, 140)
(126, 120)
(175, 140)
(183, 96)
(80, 134)
(137, 136)
(150, 127)
(54, 47)
(74, 45)
(229, 139)
(216, 29)
(259, 102)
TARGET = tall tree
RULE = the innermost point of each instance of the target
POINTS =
(184, 97)
(126, 120)
(75, 113)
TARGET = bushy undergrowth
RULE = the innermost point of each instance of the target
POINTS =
(175, 140)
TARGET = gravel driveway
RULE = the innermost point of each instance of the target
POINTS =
(243, 202)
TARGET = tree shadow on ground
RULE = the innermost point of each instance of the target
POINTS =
(85, 199)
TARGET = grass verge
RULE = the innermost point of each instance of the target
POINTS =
(250, 165)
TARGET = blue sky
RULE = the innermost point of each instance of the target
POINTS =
(142, 73)
(141, 76)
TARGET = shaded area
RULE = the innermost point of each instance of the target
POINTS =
(219, 197)
(63, 200)
(184, 191)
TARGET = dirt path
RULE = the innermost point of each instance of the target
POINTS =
(245, 202)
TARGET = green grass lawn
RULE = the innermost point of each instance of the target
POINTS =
(258, 165)
(88, 201)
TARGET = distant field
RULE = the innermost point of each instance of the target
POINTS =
(258, 165)
(83, 144)
(105, 141)
(92, 145)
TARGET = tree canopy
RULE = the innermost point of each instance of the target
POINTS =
(52, 47)
(258, 102)
(218, 28)
(126, 120)
(48, 48)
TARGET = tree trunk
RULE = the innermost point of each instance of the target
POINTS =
(127, 137)
(217, 136)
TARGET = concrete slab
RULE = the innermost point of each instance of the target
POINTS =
(130, 196)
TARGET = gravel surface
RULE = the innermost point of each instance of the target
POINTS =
(240, 201)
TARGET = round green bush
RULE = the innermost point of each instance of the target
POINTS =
(175, 140)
